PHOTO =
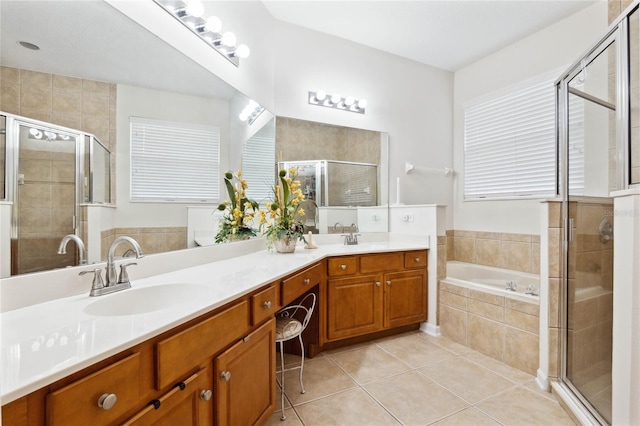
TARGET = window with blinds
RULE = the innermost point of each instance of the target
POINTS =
(258, 163)
(510, 142)
(174, 162)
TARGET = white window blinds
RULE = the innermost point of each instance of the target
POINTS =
(510, 143)
(258, 163)
(174, 162)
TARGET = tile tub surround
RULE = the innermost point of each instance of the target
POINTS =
(414, 378)
(519, 252)
(501, 327)
(152, 240)
(32, 307)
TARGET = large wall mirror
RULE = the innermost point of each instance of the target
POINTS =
(96, 68)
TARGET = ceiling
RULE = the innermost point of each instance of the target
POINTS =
(92, 40)
(447, 34)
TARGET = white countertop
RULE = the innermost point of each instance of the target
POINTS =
(45, 342)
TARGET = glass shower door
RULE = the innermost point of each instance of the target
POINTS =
(46, 199)
(591, 174)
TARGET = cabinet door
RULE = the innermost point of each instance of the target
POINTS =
(187, 403)
(405, 298)
(245, 379)
(354, 306)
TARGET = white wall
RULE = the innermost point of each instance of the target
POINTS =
(410, 101)
(556, 46)
(148, 103)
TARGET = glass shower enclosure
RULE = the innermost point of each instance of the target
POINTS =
(48, 172)
(598, 154)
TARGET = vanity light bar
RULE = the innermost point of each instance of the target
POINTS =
(336, 101)
(251, 112)
(189, 13)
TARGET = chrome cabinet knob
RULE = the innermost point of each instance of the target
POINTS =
(388, 282)
(306, 281)
(107, 401)
(267, 304)
(343, 267)
(377, 283)
(206, 394)
(226, 376)
(417, 260)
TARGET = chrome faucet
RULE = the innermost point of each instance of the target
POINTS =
(335, 227)
(114, 283)
(351, 239)
(511, 286)
(112, 278)
(62, 249)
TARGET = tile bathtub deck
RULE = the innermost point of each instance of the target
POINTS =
(413, 379)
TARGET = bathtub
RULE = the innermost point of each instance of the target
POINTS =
(492, 280)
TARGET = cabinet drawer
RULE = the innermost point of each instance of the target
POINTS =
(341, 266)
(300, 283)
(78, 401)
(264, 305)
(180, 353)
(372, 263)
(415, 259)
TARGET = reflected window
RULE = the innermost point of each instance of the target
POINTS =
(174, 162)
(258, 162)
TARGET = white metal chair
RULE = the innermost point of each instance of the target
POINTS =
(290, 323)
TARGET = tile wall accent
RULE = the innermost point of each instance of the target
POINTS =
(48, 194)
(76, 103)
(151, 240)
(500, 327)
(519, 252)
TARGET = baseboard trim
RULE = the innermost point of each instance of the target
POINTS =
(430, 329)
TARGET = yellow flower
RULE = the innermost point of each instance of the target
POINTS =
(301, 212)
(293, 170)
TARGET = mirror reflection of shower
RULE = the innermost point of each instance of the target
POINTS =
(51, 173)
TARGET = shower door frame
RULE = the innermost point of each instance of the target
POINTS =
(617, 33)
(12, 125)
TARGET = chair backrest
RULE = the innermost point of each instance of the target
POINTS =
(305, 307)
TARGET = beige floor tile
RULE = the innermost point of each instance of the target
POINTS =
(492, 364)
(414, 399)
(291, 418)
(415, 350)
(466, 379)
(368, 363)
(321, 377)
(521, 406)
(447, 343)
(533, 386)
(468, 417)
(352, 407)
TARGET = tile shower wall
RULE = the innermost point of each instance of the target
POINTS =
(151, 240)
(519, 252)
(71, 102)
(498, 326)
(76, 103)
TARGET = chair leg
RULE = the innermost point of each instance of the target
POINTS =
(282, 381)
(301, 363)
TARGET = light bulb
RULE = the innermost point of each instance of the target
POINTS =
(321, 95)
(362, 104)
(35, 133)
(243, 116)
(252, 104)
(195, 8)
(229, 39)
(242, 51)
(213, 24)
(335, 98)
(348, 101)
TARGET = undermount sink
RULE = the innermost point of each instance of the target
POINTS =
(147, 299)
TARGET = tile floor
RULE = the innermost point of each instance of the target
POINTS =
(413, 379)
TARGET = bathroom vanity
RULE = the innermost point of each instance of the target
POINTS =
(210, 357)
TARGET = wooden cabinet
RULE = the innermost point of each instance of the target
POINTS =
(189, 402)
(382, 291)
(245, 379)
(301, 283)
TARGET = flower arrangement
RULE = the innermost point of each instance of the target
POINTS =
(239, 211)
(281, 217)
